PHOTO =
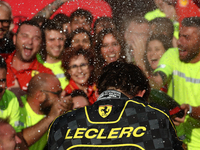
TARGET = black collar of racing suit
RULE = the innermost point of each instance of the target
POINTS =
(112, 94)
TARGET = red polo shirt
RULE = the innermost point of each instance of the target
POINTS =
(91, 93)
(23, 76)
(187, 8)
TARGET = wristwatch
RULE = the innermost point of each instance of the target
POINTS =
(190, 110)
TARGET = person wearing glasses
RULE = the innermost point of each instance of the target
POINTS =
(6, 42)
(78, 64)
(120, 119)
(42, 104)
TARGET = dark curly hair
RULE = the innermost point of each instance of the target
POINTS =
(126, 77)
(71, 53)
(99, 60)
(82, 12)
(48, 26)
(75, 32)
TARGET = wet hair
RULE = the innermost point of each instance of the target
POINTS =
(191, 22)
(99, 60)
(71, 53)
(48, 25)
(103, 19)
(163, 25)
(82, 12)
(3, 64)
(39, 19)
(28, 22)
(124, 76)
(136, 19)
(166, 42)
(51, 25)
(61, 18)
(75, 32)
(79, 93)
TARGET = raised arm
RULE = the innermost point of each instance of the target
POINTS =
(32, 134)
(48, 10)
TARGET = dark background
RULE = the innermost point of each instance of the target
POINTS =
(129, 8)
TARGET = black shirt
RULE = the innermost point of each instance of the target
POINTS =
(114, 122)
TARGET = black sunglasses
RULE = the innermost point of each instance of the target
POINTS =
(3, 80)
(56, 93)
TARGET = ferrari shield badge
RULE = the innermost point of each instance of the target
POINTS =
(34, 72)
(104, 110)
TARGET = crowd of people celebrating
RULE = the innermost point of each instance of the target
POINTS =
(78, 68)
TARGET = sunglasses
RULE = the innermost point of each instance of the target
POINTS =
(55, 93)
(5, 23)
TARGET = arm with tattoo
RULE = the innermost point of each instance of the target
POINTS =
(51, 8)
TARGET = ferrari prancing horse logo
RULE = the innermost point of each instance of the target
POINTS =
(104, 110)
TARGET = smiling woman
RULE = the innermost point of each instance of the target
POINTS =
(78, 64)
(155, 47)
(109, 48)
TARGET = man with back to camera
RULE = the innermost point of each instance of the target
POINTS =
(179, 68)
(121, 118)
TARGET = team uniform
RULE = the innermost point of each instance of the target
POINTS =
(9, 107)
(29, 118)
(59, 72)
(23, 76)
(114, 122)
(91, 92)
(184, 88)
(158, 13)
(56, 68)
(187, 8)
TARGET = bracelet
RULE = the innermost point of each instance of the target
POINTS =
(190, 110)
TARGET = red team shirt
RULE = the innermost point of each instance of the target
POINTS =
(23, 76)
(187, 8)
(91, 93)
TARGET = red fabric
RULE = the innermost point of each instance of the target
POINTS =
(91, 93)
(23, 9)
(23, 76)
(164, 88)
(187, 8)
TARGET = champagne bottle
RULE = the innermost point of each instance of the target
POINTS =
(164, 100)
